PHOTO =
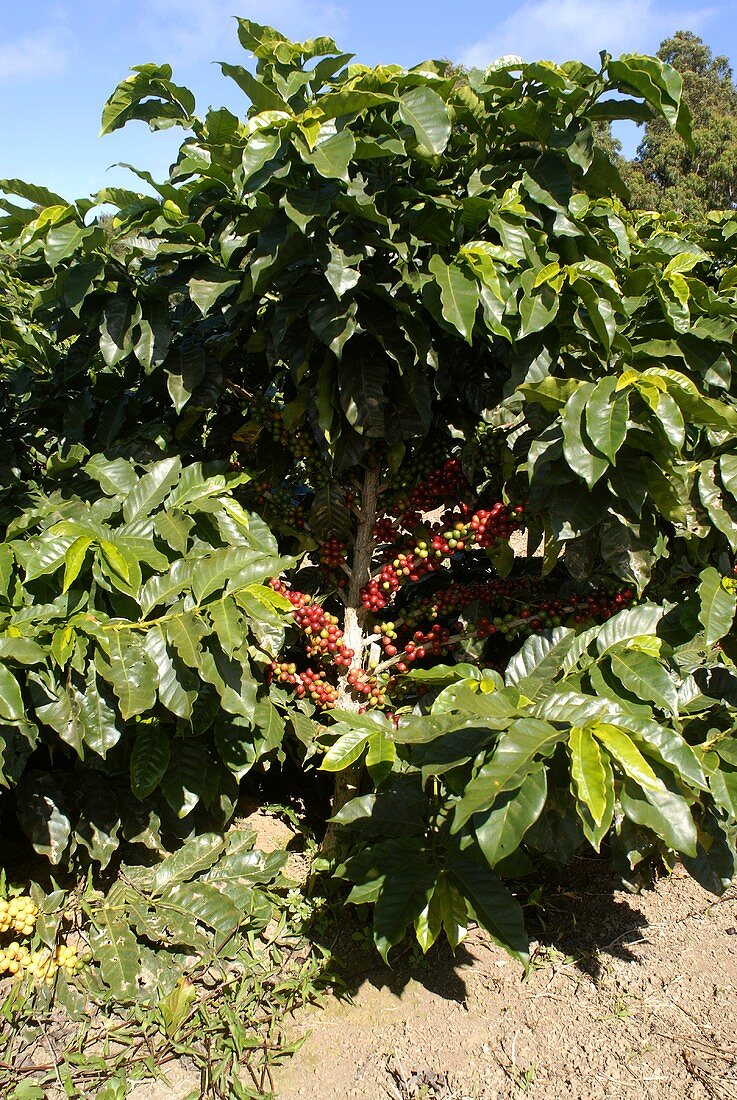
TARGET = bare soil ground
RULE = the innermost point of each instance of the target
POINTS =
(631, 996)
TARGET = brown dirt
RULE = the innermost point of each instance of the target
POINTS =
(631, 996)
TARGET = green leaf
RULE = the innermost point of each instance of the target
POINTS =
(230, 567)
(628, 756)
(659, 85)
(340, 273)
(207, 904)
(664, 812)
(228, 624)
(270, 725)
(116, 560)
(184, 781)
(511, 762)
(380, 756)
(606, 418)
(11, 702)
(147, 94)
(116, 477)
(177, 687)
(539, 660)
(74, 560)
(717, 605)
(580, 456)
(258, 91)
(161, 587)
(492, 905)
(62, 241)
(208, 284)
(403, 897)
(43, 815)
(31, 192)
(149, 759)
(131, 673)
(332, 156)
(500, 832)
(459, 295)
(346, 750)
(588, 773)
(184, 633)
(194, 857)
(102, 731)
(634, 622)
(152, 489)
(115, 949)
(22, 650)
(423, 110)
(646, 678)
(184, 373)
(429, 923)
(453, 910)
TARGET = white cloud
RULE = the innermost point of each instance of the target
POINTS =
(193, 29)
(34, 56)
(558, 30)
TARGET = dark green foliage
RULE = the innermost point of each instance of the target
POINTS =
(388, 260)
(134, 627)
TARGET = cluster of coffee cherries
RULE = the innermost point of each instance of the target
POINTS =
(488, 526)
(19, 915)
(323, 639)
(483, 528)
(309, 684)
(446, 482)
(322, 634)
(332, 559)
(384, 531)
(367, 687)
(436, 641)
(285, 509)
(514, 611)
(41, 965)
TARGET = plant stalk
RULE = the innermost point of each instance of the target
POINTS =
(347, 782)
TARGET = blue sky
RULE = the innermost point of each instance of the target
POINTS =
(60, 59)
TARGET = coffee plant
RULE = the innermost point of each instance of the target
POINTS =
(381, 435)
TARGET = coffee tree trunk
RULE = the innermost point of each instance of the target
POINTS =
(347, 782)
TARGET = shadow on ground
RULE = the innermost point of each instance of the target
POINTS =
(572, 915)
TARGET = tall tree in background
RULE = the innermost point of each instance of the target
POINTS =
(666, 174)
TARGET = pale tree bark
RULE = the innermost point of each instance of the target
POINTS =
(347, 782)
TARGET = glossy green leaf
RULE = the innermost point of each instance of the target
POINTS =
(74, 560)
(664, 812)
(579, 452)
(646, 678)
(101, 725)
(11, 701)
(588, 772)
(346, 750)
(491, 904)
(131, 673)
(628, 756)
(115, 949)
(424, 110)
(152, 489)
(511, 762)
(500, 832)
(183, 782)
(149, 759)
(606, 418)
(401, 900)
(459, 295)
(717, 605)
